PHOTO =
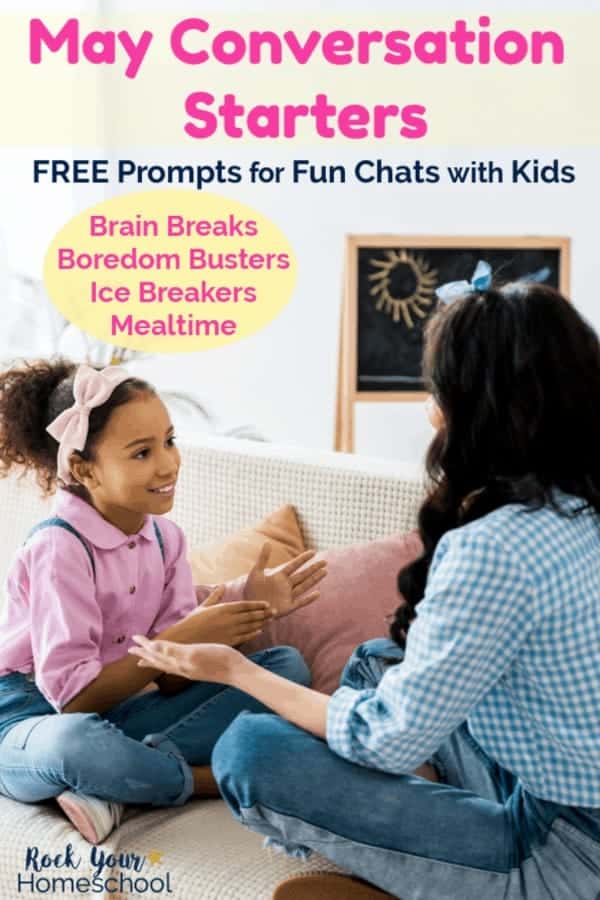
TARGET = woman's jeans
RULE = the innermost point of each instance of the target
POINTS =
(476, 835)
(139, 752)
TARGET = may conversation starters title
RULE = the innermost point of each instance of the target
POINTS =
(195, 42)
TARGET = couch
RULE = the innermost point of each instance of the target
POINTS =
(199, 851)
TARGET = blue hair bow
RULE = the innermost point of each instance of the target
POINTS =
(480, 281)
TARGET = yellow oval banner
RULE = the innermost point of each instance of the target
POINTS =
(170, 271)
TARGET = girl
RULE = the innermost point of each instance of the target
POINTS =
(498, 691)
(106, 566)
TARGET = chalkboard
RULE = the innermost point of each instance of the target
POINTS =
(390, 294)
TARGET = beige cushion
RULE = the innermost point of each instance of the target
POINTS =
(207, 854)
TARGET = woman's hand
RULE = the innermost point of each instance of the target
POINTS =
(288, 587)
(221, 623)
(197, 662)
(213, 662)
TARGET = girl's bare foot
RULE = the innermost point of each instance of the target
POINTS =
(204, 782)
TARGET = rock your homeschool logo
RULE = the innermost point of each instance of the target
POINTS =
(98, 872)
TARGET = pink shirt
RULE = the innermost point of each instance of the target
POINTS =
(63, 623)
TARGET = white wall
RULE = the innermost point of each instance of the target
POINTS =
(284, 379)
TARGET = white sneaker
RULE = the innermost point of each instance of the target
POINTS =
(92, 817)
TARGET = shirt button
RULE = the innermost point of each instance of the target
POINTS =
(132, 589)
(131, 545)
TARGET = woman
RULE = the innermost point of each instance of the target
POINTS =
(499, 683)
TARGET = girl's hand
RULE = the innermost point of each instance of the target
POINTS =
(222, 623)
(198, 662)
(286, 588)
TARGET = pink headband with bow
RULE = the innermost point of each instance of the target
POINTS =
(90, 389)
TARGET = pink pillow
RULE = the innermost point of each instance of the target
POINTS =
(357, 595)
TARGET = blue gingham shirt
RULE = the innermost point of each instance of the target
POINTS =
(507, 637)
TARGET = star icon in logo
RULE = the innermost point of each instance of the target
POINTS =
(155, 857)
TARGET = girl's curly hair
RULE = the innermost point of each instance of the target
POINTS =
(32, 396)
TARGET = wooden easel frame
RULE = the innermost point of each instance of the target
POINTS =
(347, 394)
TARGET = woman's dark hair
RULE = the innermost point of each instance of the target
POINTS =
(31, 397)
(515, 372)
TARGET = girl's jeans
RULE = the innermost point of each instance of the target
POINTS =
(139, 752)
(477, 835)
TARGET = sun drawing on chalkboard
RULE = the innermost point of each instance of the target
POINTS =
(403, 283)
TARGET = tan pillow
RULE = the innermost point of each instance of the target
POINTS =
(235, 555)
